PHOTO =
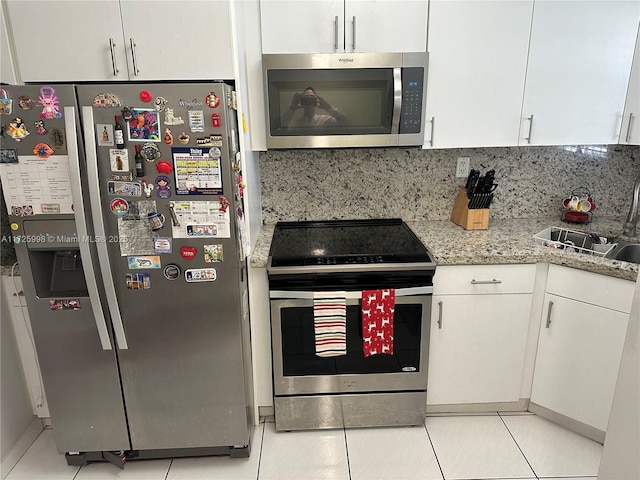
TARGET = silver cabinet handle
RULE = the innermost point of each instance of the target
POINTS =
(114, 62)
(81, 228)
(353, 24)
(485, 282)
(433, 123)
(99, 229)
(133, 57)
(628, 137)
(549, 314)
(528, 139)
(335, 33)
(440, 314)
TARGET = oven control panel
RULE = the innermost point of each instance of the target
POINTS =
(350, 260)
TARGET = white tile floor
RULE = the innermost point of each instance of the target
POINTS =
(498, 446)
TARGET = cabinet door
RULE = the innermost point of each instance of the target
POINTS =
(385, 26)
(630, 133)
(7, 70)
(579, 351)
(477, 350)
(67, 41)
(578, 71)
(311, 26)
(477, 67)
(185, 40)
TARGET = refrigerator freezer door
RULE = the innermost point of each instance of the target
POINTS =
(183, 373)
(80, 378)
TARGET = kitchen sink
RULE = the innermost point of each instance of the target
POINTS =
(626, 251)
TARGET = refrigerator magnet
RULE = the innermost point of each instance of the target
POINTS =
(25, 102)
(119, 206)
(42, 150)
(138, 281)
(171, 271)
(57, 138)
(17, 129)
(212, 100)
(6, 104)
(40, 129)
(105, 135)
(8, 155)
(213, 253)
(145, 125)
(49, 102)
(188, 253)
(106, 100)
(145, 96)
(196, 121)
(162, 244)
(160, 103)
(143, 261)
(127, 189)
(119, 159)
(200, 275)
(171, 119)
(150, 152)
(163, 190)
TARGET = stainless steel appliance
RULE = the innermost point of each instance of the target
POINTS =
(349, 390)
(345, 99)
(132, 265)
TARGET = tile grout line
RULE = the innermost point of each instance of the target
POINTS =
(264, 426)
(517, 445)
(169, 469)
(433, 449)
(346, 447)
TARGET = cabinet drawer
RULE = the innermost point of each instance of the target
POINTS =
(484, 279)
(588, 287)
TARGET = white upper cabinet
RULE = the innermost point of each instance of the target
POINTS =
(121, 40)
(477, 68)
(58, 41)
(578, 71)
(7, 71)
(328, 26)
(630, 133)
(178, 40)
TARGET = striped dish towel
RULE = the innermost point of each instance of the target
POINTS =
(330, 323)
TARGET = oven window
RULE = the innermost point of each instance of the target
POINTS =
(330, 102)
(298, 344)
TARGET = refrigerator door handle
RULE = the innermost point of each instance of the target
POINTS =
(81, 227)
(99, 229)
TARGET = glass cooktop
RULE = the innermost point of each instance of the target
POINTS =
(343, 242)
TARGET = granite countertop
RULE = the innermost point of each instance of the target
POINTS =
(507, 241)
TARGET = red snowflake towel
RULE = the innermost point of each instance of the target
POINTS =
(330, 323)
(377, 321)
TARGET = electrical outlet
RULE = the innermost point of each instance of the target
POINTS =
(462, 170)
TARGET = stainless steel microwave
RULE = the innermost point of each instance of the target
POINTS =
(345, 99)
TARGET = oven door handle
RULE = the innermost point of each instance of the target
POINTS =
(305, 295)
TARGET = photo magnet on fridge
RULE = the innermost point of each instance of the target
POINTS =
(104, 133)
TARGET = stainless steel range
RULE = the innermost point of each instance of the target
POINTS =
(352, 384)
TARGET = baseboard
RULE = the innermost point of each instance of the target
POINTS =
(519, 406)
(568, 423)
(20, 448)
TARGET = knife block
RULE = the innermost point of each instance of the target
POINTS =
(476, 219)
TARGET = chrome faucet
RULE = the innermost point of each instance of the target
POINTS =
(629, 227)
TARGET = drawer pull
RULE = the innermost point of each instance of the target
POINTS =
(549, 314)
(440, 314)
(485, 282)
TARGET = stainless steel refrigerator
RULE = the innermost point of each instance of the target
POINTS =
(130, 239)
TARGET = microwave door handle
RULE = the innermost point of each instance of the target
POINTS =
(397, 100)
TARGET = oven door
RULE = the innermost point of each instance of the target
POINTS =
(297, 369)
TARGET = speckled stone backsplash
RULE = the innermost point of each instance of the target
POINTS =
(416, 184)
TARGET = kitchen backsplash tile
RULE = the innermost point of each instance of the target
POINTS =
(417, 184)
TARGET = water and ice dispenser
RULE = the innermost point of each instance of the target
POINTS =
(54, 257)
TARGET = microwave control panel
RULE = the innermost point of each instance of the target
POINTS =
(412, 89)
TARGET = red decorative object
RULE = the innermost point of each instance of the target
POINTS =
(164, 167)
(378, 307)
(188, 253)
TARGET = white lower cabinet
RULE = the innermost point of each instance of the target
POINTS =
(479, 330)
(580, 345)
